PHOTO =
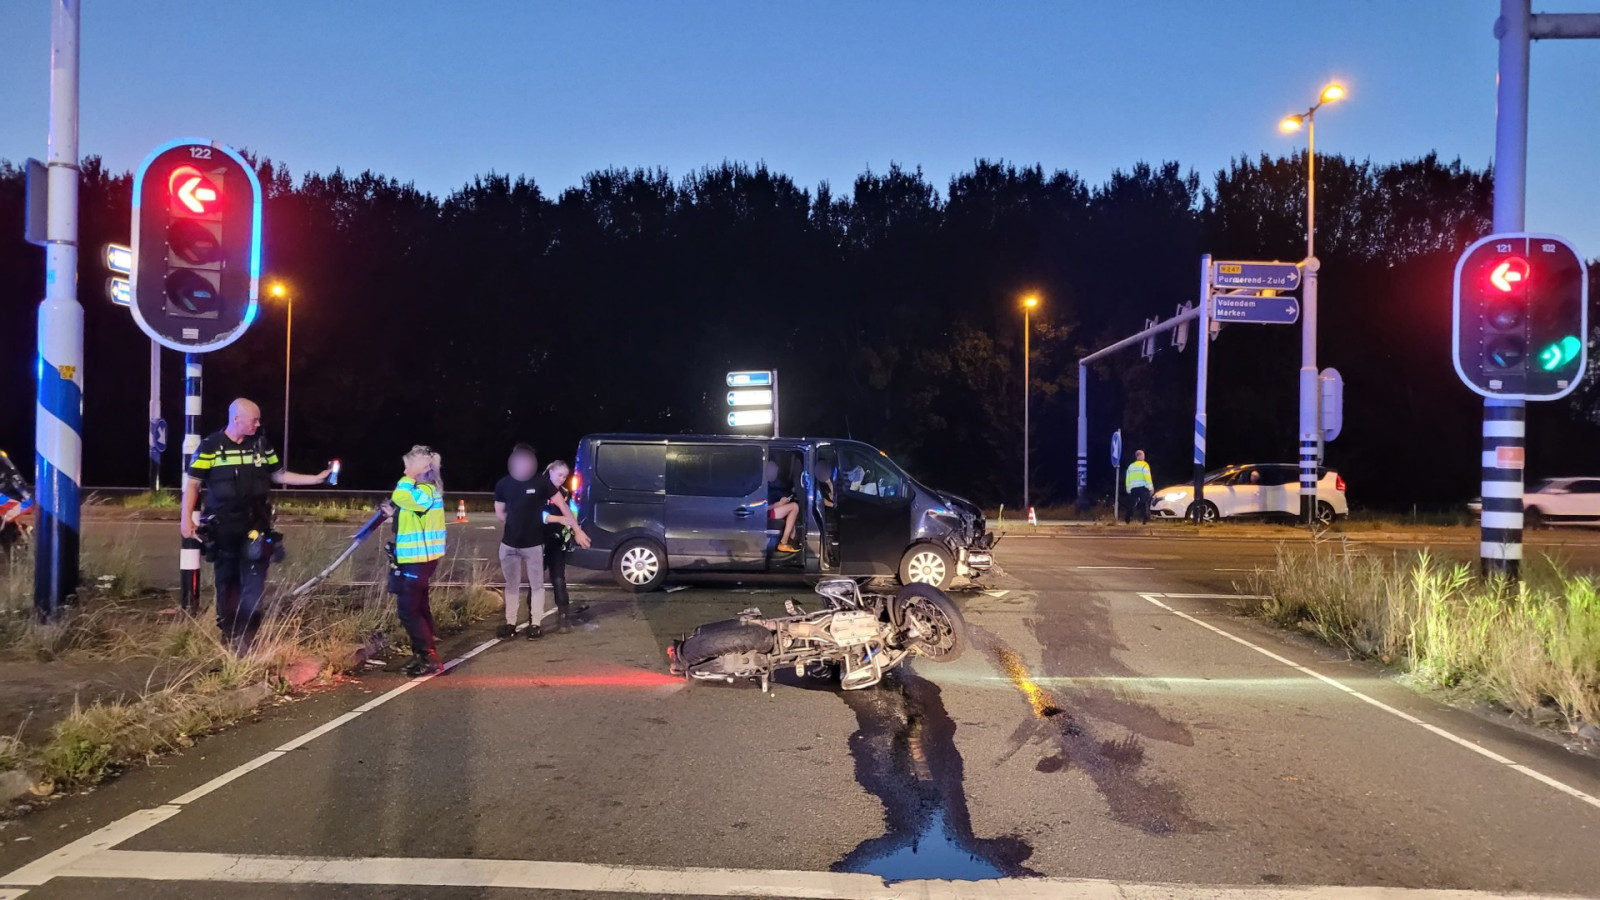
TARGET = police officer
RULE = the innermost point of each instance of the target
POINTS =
(1140, 485)
(238, 468)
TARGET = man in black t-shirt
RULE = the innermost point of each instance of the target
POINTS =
(238, 469)
(519, 502)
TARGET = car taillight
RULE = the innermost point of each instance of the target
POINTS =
(1338, 483)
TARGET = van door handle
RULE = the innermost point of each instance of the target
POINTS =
(742, 512)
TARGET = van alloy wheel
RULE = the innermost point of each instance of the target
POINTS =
(926, 567)
(640, 565)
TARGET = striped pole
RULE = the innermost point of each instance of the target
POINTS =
(189, 552)
(1310, 393)
(1505, 426)
(1083, 436)
(1202, 370)
(58, 436)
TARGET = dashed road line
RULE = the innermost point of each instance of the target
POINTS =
(1486, 753)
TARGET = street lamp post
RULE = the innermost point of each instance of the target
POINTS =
(1028, 304)
(1310, 412)
(280, 292)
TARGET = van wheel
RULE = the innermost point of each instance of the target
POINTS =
(639, 565)
(927, 564)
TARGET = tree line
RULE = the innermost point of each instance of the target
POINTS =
(501, 313)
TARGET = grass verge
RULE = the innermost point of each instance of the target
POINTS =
(1531, 645)
(196, 685)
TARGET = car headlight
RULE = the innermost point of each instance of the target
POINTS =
(1173, 496)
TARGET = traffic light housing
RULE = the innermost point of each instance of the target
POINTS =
(196, 245)
(1521, 317)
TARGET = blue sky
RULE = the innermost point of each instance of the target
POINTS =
(819, 89)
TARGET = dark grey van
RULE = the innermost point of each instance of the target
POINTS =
(689, 503)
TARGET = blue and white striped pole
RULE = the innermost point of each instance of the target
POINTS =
(1202, 367)
(189, 549)
(1083, 437)
(58, 437)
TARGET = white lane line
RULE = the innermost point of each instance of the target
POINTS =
(1373, 701)
(49, 866)
(1120, 568)
(705, 882)
(46, 867)
(1233, 570)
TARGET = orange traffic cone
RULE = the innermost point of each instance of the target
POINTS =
(461, 512)
(1032, 519)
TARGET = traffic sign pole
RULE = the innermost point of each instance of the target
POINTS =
(1310, 393)
(1505, 421)
(1202, 365)
(155, 415)
(58, 437)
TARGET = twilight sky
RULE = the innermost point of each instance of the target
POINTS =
(820, 89)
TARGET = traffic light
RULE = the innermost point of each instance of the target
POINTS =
(1521, 317)
(196, 245)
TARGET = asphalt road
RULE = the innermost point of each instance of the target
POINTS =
(1113, 729)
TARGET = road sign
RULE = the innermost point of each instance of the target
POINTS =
(1274, 275)
(1116, 449)
(158, 438)
(756, 397)
(750, 379)
(1255, 310)
(741, 418)
(755, 401)
(120, 290)
(119, 259)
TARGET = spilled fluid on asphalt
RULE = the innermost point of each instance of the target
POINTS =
(905, 754)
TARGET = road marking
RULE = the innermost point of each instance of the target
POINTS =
(1235, 570)
(51, 865)
(1121, 568)
(1373, 701)
(147, 865)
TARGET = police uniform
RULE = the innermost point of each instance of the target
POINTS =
(237, 476)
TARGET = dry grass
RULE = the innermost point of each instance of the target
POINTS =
(1525, 644)
(206, 687)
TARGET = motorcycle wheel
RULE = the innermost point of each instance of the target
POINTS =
(933, 612)
(716, 639)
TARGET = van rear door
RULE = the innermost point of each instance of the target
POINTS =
(716, 515)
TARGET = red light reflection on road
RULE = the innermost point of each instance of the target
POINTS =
(592, 677)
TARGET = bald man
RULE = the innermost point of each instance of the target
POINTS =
(238, 468)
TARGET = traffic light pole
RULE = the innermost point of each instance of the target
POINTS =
(155, 415)
(1310, 393)
(1505, 421)
(189, 549)
(58, 438)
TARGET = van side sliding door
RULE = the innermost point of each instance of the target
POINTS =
(716, 506)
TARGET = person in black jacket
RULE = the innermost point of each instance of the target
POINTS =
(238, 468)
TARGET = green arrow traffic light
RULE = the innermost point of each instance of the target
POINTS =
(1560, 353)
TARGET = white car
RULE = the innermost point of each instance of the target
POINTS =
(1253, 490)
(1558, 500)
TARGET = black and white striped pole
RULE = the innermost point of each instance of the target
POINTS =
(1203, 365)
(189, 549)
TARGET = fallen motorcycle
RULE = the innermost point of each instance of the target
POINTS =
(857, 636)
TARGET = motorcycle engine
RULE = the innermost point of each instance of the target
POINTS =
(854, 627)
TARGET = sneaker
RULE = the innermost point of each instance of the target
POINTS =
(534, 632)
(788, 548)
(505, 631)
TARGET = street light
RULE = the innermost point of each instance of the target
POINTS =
(1310, 391)
(279, 291)
(1028, 304)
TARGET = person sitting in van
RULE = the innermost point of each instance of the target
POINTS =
(781, 505)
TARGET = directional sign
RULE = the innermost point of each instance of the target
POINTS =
(119, 259)
(1116, 449)
(743, 417)
(1274, 275)
(757, 397)
(120, 290)
(1256, 310)
(750, 379)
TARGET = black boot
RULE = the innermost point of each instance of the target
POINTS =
(415, 666)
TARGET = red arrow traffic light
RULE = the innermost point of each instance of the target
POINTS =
(192, 189)
(1509, 274)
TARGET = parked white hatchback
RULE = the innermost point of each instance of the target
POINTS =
(1253, 490)
(1568, 500)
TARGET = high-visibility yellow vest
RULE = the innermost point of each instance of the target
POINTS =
(1139, 476)
(419, 522)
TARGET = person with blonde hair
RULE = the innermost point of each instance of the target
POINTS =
(419, 537)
